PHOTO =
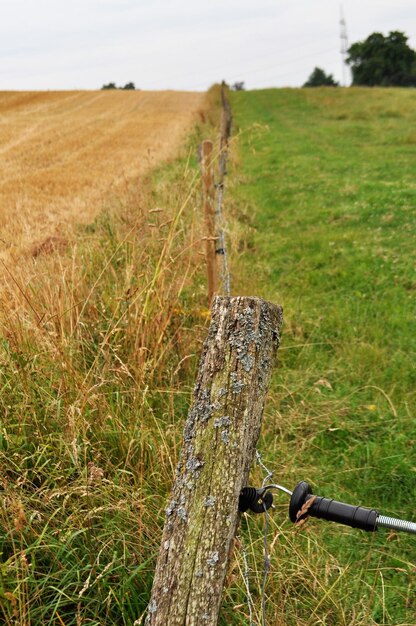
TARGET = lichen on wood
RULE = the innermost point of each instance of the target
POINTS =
(220, 437)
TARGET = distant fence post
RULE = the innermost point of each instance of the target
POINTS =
(220, 437)
(209, 215)
(226, 123)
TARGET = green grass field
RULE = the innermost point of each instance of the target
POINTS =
(98, 355)
(324, 182)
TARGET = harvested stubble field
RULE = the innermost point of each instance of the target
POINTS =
(63, 153)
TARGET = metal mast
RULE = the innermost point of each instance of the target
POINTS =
(344, 46)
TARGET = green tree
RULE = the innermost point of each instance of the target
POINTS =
(109, 86)
(384, 61)
(318, 78)
(129, 86)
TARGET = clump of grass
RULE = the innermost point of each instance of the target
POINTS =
(97, 350)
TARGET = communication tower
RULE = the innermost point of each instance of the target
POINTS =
(344, 46)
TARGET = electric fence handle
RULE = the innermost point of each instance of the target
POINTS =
(303, 504)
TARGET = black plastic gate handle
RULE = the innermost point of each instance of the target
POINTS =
(325, 508)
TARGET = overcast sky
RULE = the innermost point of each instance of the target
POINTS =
(183, 44)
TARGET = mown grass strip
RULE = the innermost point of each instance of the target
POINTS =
(324, 198)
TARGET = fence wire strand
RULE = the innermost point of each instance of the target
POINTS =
(221, 248)
(266, 565)
(246, 577)
(221, 243)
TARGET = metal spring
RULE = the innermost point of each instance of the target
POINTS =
(396, 524)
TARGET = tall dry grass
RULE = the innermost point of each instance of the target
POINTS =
(98, 341)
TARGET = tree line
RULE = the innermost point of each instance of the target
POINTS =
(385, 61)
(114, 86)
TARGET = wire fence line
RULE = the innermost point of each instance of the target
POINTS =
(218, 268)
(222, 259)
(221, 247)
(226, 127)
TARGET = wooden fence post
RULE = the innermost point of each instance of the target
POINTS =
(220, 437)
(209, 214)
(226, 123)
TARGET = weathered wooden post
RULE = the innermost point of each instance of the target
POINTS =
(220, 437)
(209, 214)
(226, 124)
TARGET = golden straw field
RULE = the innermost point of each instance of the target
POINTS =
(63, 153)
